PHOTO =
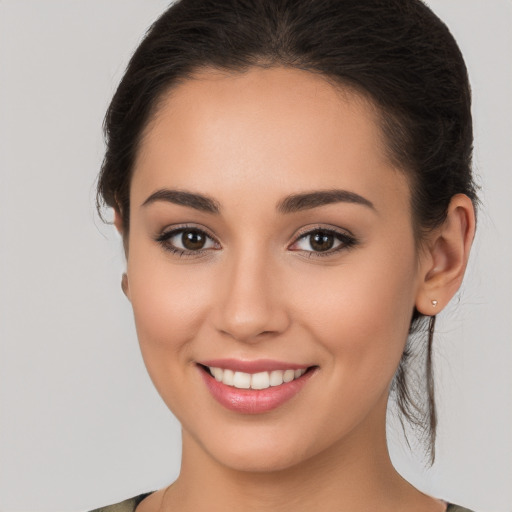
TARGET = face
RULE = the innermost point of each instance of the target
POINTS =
(269, 232)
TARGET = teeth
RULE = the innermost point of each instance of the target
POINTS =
(242, 380)
(217, 373)
(276, 378)
(289, 375)
(228, 377)
(261, 380)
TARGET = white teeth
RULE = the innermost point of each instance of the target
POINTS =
(289, 375)
(260, 380)
(228, 377)
(242, 380)
(276, 378)
(217, 373)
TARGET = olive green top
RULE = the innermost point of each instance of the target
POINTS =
(130, 505)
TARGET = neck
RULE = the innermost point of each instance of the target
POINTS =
(355, 474)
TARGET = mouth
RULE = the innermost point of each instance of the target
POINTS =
(253, 392)
(259, 380)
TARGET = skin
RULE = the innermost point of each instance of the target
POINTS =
(258, 290)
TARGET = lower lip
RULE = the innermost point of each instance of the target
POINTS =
(254, 401)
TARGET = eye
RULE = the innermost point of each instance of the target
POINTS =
(323, 241)
(186, 241)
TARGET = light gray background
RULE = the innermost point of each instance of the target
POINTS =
(81, 425)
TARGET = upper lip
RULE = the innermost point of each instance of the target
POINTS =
(256, 366)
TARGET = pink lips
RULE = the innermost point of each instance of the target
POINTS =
(253, 401)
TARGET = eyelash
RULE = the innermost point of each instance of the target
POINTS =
(347, 241)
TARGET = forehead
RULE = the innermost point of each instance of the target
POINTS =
(270, 130)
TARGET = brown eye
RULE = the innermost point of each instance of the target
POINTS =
(186, 241)
(322, 241)
(193, 240)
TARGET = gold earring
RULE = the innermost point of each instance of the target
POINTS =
(434, 303)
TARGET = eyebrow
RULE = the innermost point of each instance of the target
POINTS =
(290, 204)
(308, 200)
(183, 198)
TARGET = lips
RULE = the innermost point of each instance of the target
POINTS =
(253, 387)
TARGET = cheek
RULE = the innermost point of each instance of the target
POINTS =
(360, 311)
(168, 302)
(169, 307)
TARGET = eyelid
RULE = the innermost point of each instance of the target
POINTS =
(167, 233)
(175, 228)
(346, 238)
(323, 227)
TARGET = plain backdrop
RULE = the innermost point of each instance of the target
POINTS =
(80, 423)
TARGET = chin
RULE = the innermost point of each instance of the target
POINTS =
(258, 450)
(259, 461)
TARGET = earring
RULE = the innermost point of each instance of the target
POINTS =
(434, 303)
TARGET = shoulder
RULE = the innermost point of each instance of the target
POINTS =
(128, 505)
(457, 508)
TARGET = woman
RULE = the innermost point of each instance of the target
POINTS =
(292, 182)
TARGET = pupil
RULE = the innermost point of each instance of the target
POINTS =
(322, 241)
(192, 240)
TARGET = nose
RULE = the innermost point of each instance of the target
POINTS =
(251, 301)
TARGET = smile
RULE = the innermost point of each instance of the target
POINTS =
(255, 390)
(260, 380)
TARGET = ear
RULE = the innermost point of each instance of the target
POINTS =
(125, 285)
(118, 222)
(445, 257)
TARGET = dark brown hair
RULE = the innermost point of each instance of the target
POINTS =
(397, 53)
